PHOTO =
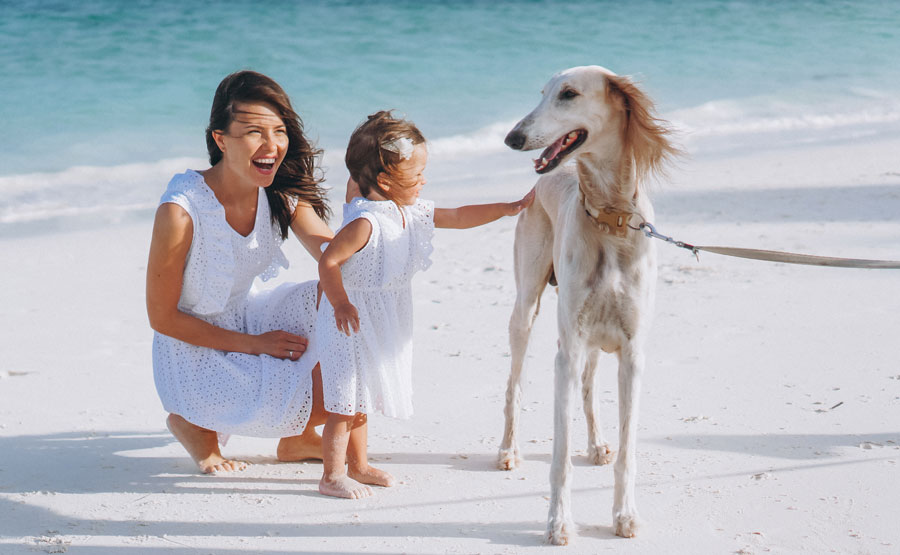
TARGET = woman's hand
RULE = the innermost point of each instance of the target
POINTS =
(280, 344)
(514, 208)
(346, 317)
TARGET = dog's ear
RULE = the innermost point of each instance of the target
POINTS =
(646, 137)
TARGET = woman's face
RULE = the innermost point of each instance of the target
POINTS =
(407, 178)
(255, 143)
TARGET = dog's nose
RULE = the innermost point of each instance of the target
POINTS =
(515, 140)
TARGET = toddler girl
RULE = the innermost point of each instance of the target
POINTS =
(364, 324)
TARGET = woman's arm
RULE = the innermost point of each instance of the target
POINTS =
(172, 235)
(479, 214)
(348, 241)
(352, 190)
(310, 229)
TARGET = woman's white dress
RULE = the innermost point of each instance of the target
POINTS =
(371, 370)
(235, 393)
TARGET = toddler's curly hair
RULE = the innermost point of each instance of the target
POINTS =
(366, 158)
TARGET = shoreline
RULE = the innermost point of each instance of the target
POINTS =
(88, 196)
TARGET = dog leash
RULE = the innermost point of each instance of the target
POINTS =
(773, 256)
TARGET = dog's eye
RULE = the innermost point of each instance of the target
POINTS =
(568, 94)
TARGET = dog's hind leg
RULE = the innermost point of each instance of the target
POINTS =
(599, 451)
(560, 526)
(625, 516)
(533, 261)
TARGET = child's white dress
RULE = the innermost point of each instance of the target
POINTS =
(371, 370)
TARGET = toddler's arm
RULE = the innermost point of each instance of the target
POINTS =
(479, 214)
(348, 241)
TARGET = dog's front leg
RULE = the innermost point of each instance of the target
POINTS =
(560, 526)
(631, 366)
(533, 260)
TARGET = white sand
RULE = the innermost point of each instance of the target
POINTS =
(769, 418)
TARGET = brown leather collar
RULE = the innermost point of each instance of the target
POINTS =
(608, 220)
(612, 222)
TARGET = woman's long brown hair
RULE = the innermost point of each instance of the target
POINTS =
(298, 178)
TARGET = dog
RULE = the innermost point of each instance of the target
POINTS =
(582, 232)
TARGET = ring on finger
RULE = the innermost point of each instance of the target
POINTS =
(290, 354)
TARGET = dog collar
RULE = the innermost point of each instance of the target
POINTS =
(611, 221)
(608, 220)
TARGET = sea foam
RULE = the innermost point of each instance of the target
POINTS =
(104, 195)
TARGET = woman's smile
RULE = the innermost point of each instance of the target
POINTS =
(266, 165)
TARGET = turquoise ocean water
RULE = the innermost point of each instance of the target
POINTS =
(96, 95)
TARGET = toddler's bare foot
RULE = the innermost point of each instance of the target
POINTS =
(300, 448)
(202, 445)
(344, 486)
(371, 475)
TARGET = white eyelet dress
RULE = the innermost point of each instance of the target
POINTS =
(235, 393)
(371, 370)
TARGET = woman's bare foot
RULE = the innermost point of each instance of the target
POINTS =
(202, 445)
(370, 475)
(344, 486)
(300, 448)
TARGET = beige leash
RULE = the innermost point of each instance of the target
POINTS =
(773, 256)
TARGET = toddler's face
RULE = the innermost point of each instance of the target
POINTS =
(407, 178)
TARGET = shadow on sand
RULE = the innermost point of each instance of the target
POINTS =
(113, 462)
(785, 446)
(122, 462)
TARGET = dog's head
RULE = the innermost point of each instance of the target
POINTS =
(582, 108)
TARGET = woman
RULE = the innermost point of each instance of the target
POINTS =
(227, 360)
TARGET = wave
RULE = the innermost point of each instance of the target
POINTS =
(731, 118)
(109, 194)
(87, 190)
(488, 139)
(485, 140)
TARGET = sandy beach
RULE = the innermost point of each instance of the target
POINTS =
(768, 424)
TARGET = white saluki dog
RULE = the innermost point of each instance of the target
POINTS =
(581, 231)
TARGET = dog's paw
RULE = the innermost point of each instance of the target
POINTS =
(600, 454)
(560, 532)
(626, 525)
(508, 459)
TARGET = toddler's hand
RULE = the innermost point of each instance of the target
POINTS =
(346, 317)
(516, 207)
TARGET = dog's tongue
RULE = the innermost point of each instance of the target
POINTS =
(552, 150)
(549, 154)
